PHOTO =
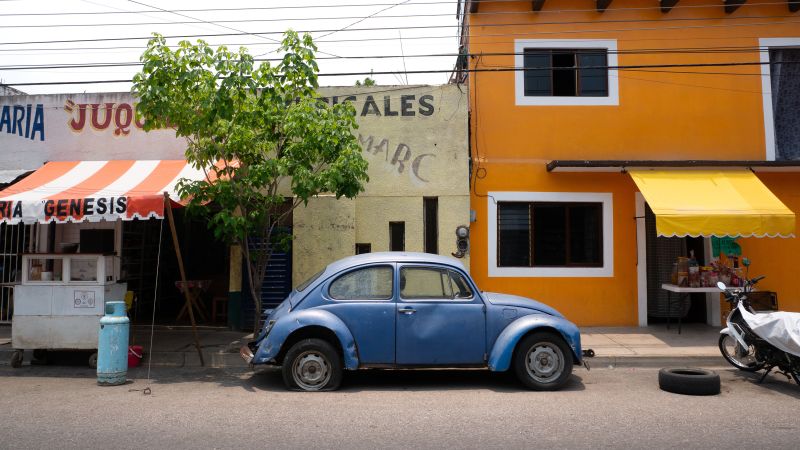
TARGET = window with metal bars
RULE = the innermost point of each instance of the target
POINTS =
(566, 72)
(549, 234)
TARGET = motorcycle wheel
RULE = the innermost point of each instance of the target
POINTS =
(742, 359)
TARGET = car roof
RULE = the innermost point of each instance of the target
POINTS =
(386, 257)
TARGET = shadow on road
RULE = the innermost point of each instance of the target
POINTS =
(269, 379)
(410, 380)
(774, 383)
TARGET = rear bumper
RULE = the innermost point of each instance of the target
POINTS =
(246, 353)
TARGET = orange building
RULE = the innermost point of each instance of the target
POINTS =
(576, 104)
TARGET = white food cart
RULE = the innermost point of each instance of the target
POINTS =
(60, 300)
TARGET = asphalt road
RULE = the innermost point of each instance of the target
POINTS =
(45, 407)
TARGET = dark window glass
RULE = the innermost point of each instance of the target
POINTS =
(397, 236)
(537, 73)
(593, 82)
(565, 72)
(586, 233)
(549, 234)
(513, 234)
(363, 248)
(784, 72)
(430, 211)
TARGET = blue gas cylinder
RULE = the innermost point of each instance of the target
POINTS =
(112, 345)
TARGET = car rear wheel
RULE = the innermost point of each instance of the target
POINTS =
(543, 361)
(312, 365)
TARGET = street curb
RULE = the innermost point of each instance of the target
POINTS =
(611, 362)
(222, 360)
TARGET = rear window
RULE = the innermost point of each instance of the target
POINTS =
(302, 286)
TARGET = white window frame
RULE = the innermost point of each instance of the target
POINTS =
(606, 270)
(519, 75)
(766, 90)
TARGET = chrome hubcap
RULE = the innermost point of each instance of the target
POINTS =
(744, 357)
(544, 362)
(311, 371)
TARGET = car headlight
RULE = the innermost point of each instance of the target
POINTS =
(268, 327)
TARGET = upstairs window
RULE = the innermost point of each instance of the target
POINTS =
(785, 87)
(566, 72)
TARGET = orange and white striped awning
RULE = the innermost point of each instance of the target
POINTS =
(77, 191)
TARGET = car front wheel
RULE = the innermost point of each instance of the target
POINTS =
(312, 365)
(543, 361)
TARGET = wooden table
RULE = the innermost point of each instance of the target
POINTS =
(195, 289)
(683, 293)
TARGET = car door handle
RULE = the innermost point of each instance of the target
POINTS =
(406, 311)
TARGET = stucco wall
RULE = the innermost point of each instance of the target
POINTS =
(415, 140)
(324, 231)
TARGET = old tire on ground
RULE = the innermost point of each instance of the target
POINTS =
(543, 361)
(16, 359)
(312, 365)
(689, 381)
(736, 356)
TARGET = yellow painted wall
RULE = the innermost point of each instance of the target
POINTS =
(660, 116)
(324, 231)
(778, 259)
(423, 153)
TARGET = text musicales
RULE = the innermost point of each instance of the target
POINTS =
(407, 105)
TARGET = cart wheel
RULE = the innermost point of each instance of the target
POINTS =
(16, 359)
(93, 361)
(40, 354)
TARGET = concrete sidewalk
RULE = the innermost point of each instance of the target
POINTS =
(652, 346)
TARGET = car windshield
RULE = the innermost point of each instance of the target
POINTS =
(302, 286)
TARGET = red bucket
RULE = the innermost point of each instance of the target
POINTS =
(135, 353)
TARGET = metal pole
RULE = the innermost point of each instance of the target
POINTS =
(186, 294)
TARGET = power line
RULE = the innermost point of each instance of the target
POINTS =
(364, 5)
(417, 27)
(196, 21)
(700, 51)
(640, 67)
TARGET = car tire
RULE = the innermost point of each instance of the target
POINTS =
(312, 365)
(543, 361)
(688, 381)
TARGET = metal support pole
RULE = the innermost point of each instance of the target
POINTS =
(189, 303)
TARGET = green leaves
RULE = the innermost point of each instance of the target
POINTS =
(258, 130)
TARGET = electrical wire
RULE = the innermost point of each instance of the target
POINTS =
(691, 51)
(196, 21)
(479, 13)
(420, 27)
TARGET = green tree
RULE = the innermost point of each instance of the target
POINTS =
(259, 132)
(367, 82)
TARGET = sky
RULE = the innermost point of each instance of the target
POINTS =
(337, 26)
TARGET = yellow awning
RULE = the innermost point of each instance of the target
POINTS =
(713, 203)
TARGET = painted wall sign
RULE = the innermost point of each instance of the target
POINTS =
(414, 137)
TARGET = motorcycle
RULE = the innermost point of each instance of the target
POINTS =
(755, 341)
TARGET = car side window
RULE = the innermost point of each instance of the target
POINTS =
(369, 283)
(425, 282)
(460, 286)
(433, 283)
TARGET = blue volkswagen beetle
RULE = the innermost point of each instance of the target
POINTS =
(410, 310)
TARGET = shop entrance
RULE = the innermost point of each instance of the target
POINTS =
(205, 258)
(662, 253)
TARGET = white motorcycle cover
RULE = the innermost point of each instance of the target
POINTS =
(781, 329)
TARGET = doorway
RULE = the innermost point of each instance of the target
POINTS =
(661, 254)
